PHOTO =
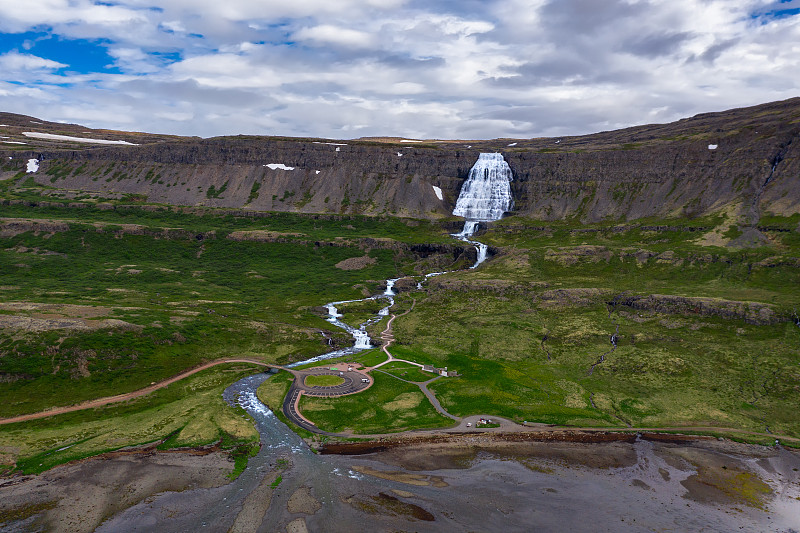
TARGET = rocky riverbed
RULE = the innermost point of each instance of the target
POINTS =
(464, 483)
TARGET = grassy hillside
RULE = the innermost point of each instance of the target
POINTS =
(705, 335)
(97, 302)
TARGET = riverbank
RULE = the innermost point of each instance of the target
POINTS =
(486, 482)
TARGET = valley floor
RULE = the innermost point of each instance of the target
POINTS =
(468, 482)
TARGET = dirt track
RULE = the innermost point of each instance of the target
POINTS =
(506, 427)
(100, 402)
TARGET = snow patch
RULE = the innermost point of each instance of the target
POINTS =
(399, 154)
(317, 171)
(276, 166)
(337, 148)
(410, 141)
(53, 137)
(33, 166)
(438, 192)
(34, 122)
(13, 142)
(712, 146)
(558, 141)
(330, 144)
(513, 144)
(7, 126)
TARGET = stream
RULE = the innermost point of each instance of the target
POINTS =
(484, 197)
(496, 493)
(243, 392)
(217, 508)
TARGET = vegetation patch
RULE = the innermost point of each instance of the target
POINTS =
(188, 413)
(407, 372)
(374, 410)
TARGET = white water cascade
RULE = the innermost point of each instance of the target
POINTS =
(485, 197)
(486, 194)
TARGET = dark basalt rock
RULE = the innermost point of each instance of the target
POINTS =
(657, 170)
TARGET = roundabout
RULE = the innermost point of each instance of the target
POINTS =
(351, 381)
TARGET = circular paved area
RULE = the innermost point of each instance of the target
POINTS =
(353, 381)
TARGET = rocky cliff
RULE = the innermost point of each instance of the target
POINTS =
(743, 161)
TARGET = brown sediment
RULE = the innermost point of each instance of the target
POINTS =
(386, 504)
(383, 444)
(298, 525)
(255, 506)
(302, 501)
(673, 438)
(721, 478)
(419, 480)
(87, 492)
(541, 457)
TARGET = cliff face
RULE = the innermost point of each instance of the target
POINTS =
(657, 170)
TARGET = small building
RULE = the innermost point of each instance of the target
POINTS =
(441, 371)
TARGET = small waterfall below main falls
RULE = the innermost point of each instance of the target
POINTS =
(484, 197)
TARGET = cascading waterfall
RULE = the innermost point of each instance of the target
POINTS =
(484, 197)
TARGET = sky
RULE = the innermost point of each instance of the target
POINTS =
(342, 69)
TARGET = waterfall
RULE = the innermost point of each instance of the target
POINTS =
(486, 194)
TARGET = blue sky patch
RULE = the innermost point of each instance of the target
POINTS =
(775, 14)
(81, 55)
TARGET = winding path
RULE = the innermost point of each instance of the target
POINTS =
(506, 425)
(388, 338)
(100, 402)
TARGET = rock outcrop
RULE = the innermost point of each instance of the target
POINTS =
(751, 312)
(744, 158)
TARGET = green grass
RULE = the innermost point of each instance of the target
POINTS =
(356, 313)
(187, 300)
(271, 394)
(390, 405)
(187, 413)
(407, 372)
(367, 358)
(522, 353)
(371, 358)
(273, 390)
(313, 227)
(667, 370)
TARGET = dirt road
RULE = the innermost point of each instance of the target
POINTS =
(100, 402)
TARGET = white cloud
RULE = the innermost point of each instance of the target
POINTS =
(431, 69)
(19, 16)
(328, 34)
(14, 61)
